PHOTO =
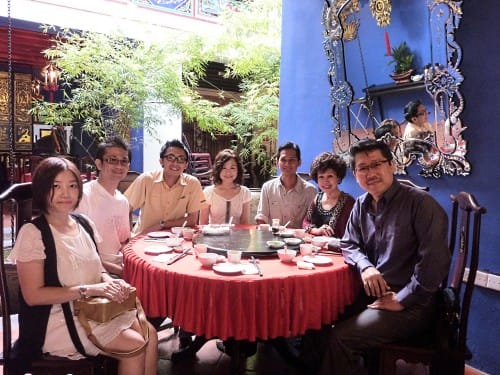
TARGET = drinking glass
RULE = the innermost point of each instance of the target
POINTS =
(275, 225)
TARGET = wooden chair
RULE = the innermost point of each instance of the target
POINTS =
(127, 181)
(19, 198)
(412, 184)
(445, 350)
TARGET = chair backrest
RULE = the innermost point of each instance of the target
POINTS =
(127, 181)
(19, 198)
(466, 228)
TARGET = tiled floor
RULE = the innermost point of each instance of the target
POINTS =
(209, 360)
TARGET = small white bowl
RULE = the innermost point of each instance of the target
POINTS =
(208, 259)
(286, 255)
(292, 241)
(319, 241)
(176, 230)
(287, 233)
(275, 244)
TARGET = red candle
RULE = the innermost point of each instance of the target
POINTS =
(388, 51)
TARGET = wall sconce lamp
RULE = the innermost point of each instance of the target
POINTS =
(50, 74)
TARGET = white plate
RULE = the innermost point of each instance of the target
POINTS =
(174, 241)
(228, 268)
(155, 250)
(317, 259)
(163, 258)
(158, 234)
(292, 241)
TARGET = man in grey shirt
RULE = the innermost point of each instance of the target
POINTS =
(288, 196)
(396, 239)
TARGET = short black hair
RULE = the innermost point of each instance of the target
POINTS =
(385, 127)
(174, 143)
(289, 146)
(365, 145)
(114, 141)
(328, 160)
(411, 109)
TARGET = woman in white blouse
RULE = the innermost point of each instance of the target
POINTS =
(227, 198)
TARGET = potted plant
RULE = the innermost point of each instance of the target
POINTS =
(402, 58)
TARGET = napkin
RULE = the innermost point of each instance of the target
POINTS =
(305, 265)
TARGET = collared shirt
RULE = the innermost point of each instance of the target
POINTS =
(110, 213)
(405, 239)
(277, 203)
(158, 201)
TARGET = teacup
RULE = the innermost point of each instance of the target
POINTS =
(234, 256)
(200, 248)
(264, 227)
(208, 259)
(306, 249)
(177, 230)
(188, 233)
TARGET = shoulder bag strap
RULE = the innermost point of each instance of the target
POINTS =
(52, 278)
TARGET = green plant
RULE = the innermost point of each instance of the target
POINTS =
(108, 80)
(402, 58)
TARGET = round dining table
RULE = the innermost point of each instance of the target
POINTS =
(284, 301)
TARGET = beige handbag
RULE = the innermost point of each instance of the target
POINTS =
(102, 310)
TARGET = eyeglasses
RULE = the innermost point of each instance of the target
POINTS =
(115, 161)
(178, 159)
(375, 166)
(423, 113)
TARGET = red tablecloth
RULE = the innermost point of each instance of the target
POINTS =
(285, 301)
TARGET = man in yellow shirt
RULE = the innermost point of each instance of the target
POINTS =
(166, 197)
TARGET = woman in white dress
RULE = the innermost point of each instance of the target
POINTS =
(57, 188)
(227, 197)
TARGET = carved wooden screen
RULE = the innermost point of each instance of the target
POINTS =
(23, 129)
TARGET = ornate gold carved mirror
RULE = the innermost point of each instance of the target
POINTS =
(360, 87)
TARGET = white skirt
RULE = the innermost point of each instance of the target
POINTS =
(58, 341)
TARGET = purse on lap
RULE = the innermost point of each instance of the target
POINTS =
(103, 310)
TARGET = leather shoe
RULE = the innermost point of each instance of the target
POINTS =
(187, 353)
(185, 342)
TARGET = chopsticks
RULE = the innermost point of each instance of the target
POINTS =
(179, 256)
(254, 262)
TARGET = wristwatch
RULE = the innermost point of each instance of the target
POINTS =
(83, 291)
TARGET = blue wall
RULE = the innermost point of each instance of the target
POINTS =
(305, 118)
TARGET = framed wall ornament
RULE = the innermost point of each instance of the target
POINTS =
(445, 151)
(22, 129)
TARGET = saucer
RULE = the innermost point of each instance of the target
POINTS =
(317, 259)
(155, 250)
(158, 234)
(228, 268)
